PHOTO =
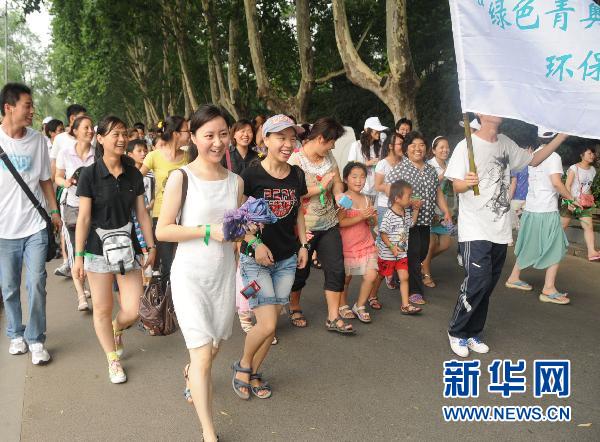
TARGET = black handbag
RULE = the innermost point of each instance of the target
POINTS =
(52, 243)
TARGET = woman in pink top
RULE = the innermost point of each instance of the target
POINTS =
(360, 253)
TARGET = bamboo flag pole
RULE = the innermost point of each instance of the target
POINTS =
(472, 167)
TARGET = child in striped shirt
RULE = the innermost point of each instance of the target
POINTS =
(393, 244)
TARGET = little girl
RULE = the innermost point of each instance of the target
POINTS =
(360, 253)
(393, 244)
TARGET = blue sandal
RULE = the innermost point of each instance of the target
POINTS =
(264, 386)
(237, 384)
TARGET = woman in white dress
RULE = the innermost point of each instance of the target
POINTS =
(203, 271)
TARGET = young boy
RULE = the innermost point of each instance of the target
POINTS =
(484, 228)
(393, 232)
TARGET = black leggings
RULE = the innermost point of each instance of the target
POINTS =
(418, 246)
(328, 244)
(165, 252)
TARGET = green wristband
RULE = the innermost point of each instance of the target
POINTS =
(206, 234)
(80, 254)
(52, 212)
(255, 241)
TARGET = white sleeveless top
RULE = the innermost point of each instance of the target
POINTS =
(203, 276)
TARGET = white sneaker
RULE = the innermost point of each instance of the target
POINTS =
(39, 354)
(476, 345)
(64, 270)
(116, 372)
(17, 346)
(459, 346)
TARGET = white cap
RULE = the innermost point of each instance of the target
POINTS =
(47, 120)
(375, 124)
(545, 133)
(474, 124)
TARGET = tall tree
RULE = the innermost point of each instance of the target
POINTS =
(276, 100)
(226, 94)
(398, 87)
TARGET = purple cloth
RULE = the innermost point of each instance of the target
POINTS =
(254, 211)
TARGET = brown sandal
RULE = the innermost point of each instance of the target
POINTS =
(374, 303)
(296, 322)
(428, 280)
(345, 329)
(410, 309)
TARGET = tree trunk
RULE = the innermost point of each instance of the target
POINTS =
(398, 89)
(224, 91)
(138, 67)
(174, 11)
(296, 105)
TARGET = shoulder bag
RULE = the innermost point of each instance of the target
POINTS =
(585, 200)
(157, 313)
(52, 244)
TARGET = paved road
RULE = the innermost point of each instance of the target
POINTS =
(383, 384)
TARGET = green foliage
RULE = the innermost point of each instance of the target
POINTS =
(27, 64)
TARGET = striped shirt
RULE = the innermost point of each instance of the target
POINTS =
(396, 227)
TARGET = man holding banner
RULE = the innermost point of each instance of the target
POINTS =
(484, 226)
(536, 61)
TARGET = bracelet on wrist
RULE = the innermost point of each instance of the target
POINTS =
(206, 234)
(55, 211)
(80, 254)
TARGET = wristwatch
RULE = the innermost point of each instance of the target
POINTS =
(304, 246)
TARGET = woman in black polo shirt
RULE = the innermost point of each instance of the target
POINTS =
(109, 190)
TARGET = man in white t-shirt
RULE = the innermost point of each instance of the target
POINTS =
(65, 139)
(23, 239)
(484, 228)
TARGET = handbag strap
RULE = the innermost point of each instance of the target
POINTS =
(184, 187)
(228, 158)
(36, 203)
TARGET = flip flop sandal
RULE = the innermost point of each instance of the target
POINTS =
(237, 384)
(555, 298)
(410, 310)
(519, 285)
(594, 258)
(361, 313)
(294, 321)
(343, 330)
(428, 281)
(346, 313)
(374, 303)
(187, 393)
(264, 386)
(417, 298)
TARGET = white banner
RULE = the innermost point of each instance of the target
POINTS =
(533, 60)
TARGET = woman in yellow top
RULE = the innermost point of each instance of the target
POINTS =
(167, 157)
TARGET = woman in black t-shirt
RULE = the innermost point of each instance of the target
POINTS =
(109, 190)
(270, 258)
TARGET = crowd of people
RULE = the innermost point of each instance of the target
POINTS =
(127, 203)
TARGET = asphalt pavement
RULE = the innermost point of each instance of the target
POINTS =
(384, 384)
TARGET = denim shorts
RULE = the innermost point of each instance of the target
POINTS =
(97, 263)
(275, 281)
